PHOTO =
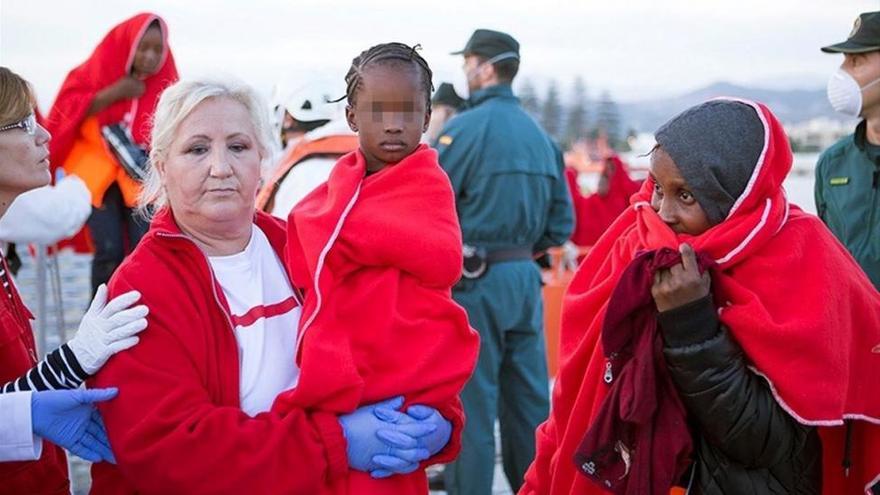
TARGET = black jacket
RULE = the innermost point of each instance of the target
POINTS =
(744, 441)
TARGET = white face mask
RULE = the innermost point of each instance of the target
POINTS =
(473, 74)
(844, 93)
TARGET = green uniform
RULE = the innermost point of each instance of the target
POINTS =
(848, 198)
(510, 193)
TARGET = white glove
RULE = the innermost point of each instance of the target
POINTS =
(108, 328)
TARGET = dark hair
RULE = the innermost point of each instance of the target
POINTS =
(16, 97)
(650, 152)
(505, 69)
(388, 53)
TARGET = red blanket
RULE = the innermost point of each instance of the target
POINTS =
(378, 257)
(805, 314)
(596, 212)
(111, 59)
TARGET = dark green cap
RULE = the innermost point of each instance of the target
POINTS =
(865, 36)
(489, 44)
(446, 95)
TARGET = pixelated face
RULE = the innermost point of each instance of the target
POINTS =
(673, 200)
(390, 114)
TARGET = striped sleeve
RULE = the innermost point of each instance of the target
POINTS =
(59, 370)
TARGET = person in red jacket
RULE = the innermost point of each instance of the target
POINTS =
(118, 85)
(42, 401)
(716, 337)
(194, 412)
(377, 249)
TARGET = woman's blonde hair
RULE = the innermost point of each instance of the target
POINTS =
(16, 97)
(176, 103)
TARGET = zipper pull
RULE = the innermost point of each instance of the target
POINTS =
(609, 375)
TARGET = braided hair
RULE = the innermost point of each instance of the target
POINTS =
(387, 53)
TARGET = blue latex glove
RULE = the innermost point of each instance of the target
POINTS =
(364, 445)
(433, 442)
(436, 441)
(69, 419)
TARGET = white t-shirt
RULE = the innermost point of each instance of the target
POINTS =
(310, 173)
(299, 182)
(265, 313)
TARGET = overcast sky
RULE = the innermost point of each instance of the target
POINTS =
(636, 49)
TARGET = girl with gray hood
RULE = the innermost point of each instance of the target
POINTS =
(763, 326)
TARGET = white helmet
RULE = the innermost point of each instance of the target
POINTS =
(310, 103)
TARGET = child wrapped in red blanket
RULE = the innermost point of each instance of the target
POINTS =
(377, 249)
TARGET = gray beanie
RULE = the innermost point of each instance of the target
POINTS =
(716, 146)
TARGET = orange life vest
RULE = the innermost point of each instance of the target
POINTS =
(336, 145)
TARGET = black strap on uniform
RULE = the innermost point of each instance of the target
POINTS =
(509, 255)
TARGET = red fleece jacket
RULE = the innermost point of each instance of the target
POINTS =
(378, 257)
(177, 426)
(804, 313)
(48, 474)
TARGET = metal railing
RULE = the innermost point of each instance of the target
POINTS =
(48, 280)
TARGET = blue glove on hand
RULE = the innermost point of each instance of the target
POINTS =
(432, 442)
(69, 419)
(364, 445)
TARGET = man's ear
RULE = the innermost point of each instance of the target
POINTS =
(487, 73)
(350, 118)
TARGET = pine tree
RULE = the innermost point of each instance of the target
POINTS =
(608, 120)
(528, 97)
(577, 122)
(551, 113)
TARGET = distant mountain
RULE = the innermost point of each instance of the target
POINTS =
(790, 106)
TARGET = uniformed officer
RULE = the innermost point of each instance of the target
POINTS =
(444, 105)
(848, 174)
(513, 203)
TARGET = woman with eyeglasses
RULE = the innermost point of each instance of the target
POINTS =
(100, 128)
(43, 401)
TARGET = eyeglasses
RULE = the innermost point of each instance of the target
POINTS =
(28, 125)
